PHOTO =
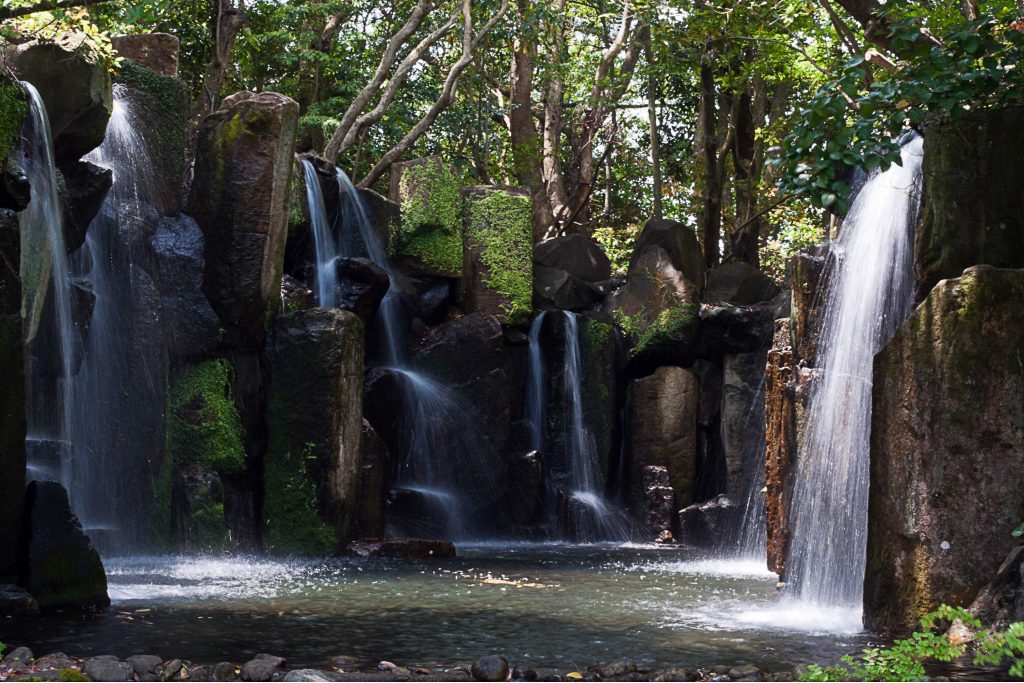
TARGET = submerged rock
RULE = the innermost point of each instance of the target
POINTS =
(402, 548)
(15, 601)
(63, 568)
(706, 524)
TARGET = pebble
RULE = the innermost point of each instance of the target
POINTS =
(259, 670)
(18, 657)
(108, 668)
(144, 664)
(170, 670)
(224, 671)
(491, 668)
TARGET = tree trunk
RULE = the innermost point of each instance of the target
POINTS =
(652, 124)
(226, 25)
(711, 207)
(551, 169)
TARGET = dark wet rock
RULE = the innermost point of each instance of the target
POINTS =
(710, 459)
(497, 271)
(739, 283)
(295, 296)
(157, 52)
(946, 437)
(614, 670)
(314, 459)
(679, 244)
(15, 601)
(224, 671)
(972, 201)
(144, 664)
(261, 668)
(659, 502)
(662, 410)
(191, 328)
(725, 328)
(108, 669)
(678, 675)
(384, 215)
(84, 189)
(63, 568)
(75, 88)
(171, 670)
(196, 673)
(742, 418)
(577, 255)
(401, 548)
(56, 660)
(557, 288)
(373, 485)
(1001, 602)
(19, 657)
(239, 198)
(707, 524)
(361, 286)
(491, 668)
(808, 275)
(780, 442)
(432, 299)
(526, 488)
(15, 189)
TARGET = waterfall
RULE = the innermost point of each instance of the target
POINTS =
(870, 295)
(752, 539)
(533, 407)
(51, 348)
(326, 247)
(121, 383)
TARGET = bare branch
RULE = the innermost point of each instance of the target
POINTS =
(12, 12)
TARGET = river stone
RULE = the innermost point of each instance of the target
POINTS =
(972, 201)
(259, 670)
(18, 657)
(497, 269)
(739, 283)
(63, 568)
(662, 410)
(780, 442)
(239, 198)
(310, 675)
(577, 255)
(947, 477)
(491, 668)
(808, 280)
(315, 418)
(157, 52)
(225, 671)
(144, 664)
(108, 669)
(75, 88)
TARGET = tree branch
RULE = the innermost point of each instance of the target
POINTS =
(12, 12)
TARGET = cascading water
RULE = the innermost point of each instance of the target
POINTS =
(533, 407)
(870, 295)
(118, 429)
(326, 246)
(51, 347)
(752, 540)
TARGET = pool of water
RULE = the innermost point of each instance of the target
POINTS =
(545, 607)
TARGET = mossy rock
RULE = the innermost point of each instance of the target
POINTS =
(429, 235)
(13, 110)
(204, 427)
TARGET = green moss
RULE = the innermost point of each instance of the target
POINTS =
(13, 110)
(204, 427)
(71, 675)
(502, 224)
(166, 99)
(207, 531)
(671, 328)
(431, 225)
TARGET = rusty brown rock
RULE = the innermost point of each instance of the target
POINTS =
(780, 442)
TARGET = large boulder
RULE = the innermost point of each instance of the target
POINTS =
(62, 568)
(972, 200)
(579, 256)
(75, 88)
(361, 286)
(313, 465)
(662, 410)
(12, 395)
(1001, 602)
(239, 198)
(84, 187)
(497, 270)
(553, 287)
(679, 244)
(158, 52)
(428, 239)
(15, 192)
(947, 476)
(739, 283)
(707, 524)
(728, 328)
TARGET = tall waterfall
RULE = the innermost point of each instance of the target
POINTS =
(323, 239)
(123, 372)
(870, 295)
(51, 347)
(752, 538)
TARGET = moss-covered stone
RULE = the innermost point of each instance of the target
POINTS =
(498, 261)
(13, 110)
(203, 426)
(430, 230)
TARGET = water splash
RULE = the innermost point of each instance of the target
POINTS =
(870, 295)
(51, 348)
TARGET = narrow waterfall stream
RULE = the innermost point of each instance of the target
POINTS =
(752, 537)
(50, 359)
(870, 295)
(326, 290)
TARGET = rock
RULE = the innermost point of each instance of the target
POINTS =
(55, 660)
(158, 52)
(678, 675)
(971, 201)
(144, 664)
(191, 329)
(662, 410)
(19, 657)
(706, 524)
(15, 601)
(428, 239)
(947, 478)
(678, 243)
(314, 460)
(616, 669)
(432, 299)
(171, 670)
(780, 442)
(402, 548)
(239, 198)
(658, 310)
(225, 671)
(85, 187)
(726, 329)
(743, 418)
(808, 281)
(491, 668)
(1001, 602)
(526, 489)
(259, 670)
(15, 189)
(108, 669)
(361, 286)
(746, 672)
(711, 474)
(497, 270)
(739, 283)
(373, 485)
(295, 296)
(63, 569)
(75, 88)
(196, 673)
(556, 287)
(659, 503)
(310, 675)
(579, 256)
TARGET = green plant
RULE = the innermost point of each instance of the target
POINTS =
(501, 223)
(1018, 532)
(431, 226)
(72, 675)
(904, 661)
